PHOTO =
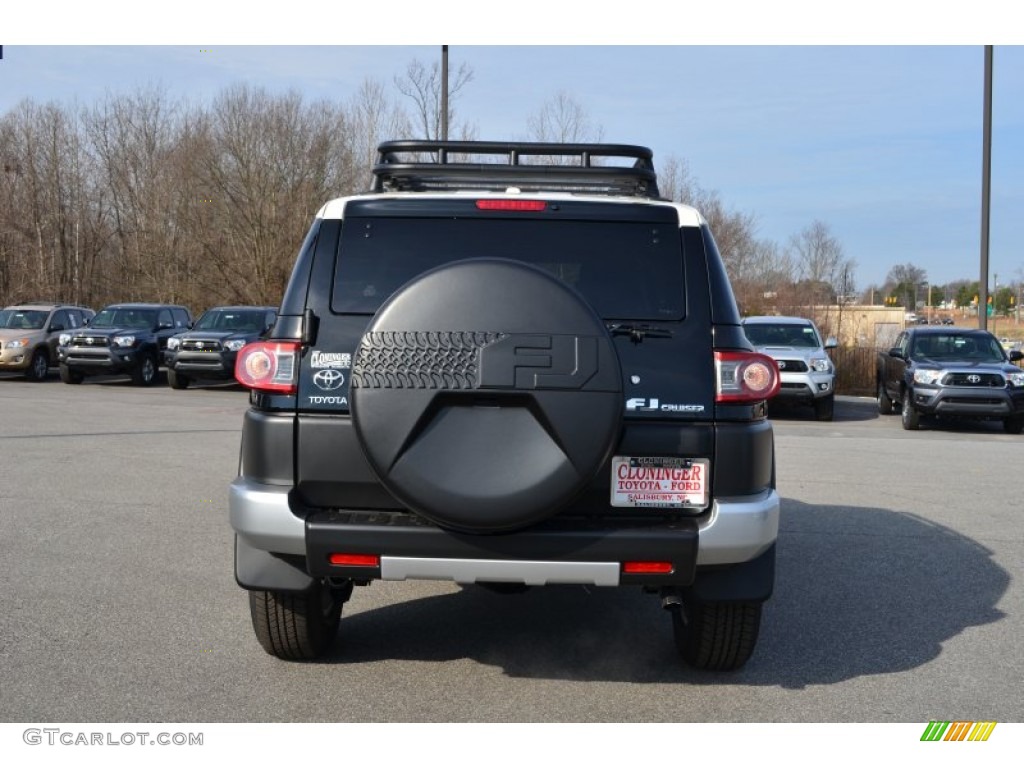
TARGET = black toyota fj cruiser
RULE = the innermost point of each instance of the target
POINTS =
(496, 369)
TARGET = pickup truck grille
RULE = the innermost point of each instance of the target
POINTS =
(973, 380)
(198, 345)
(90, 341)
(792, 366)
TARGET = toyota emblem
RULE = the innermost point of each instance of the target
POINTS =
(328, 379)
(974, 378)
(782, 364)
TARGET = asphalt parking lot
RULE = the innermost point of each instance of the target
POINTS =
(898, 595)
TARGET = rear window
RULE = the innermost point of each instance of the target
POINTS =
(625, 269)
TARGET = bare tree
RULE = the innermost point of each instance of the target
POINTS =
(372, 118)
(423, 85)
(276, 159)
(826, 276)
(43, 190)
(903, 281)
(675, 181)
(906, 273)
(132, 137)
(562, 119)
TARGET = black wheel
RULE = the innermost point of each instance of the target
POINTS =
(885, 404)
(911, 418)
(1014, 424)
(177, 380)
(297, 626)
(823, 408)
(716, 636)
(70, 377)
(39, 367)
(145, 372)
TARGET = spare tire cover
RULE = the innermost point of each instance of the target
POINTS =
(486, 393)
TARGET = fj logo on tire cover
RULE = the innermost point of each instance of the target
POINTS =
(520, 361)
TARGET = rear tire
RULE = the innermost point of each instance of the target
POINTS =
(297, 626)
(716, 636)
(886, 407)
(177, 380)
(1014, 425)
(911, 418)
(70, 377)
(824, 407)
(39, 367)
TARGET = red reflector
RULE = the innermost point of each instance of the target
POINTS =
(511, 205)
(643, 566)
(339, 558)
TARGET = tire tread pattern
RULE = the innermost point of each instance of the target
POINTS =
(717, 636)
(420, 359)
(291, 626)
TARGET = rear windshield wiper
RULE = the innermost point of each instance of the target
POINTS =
(638, 333)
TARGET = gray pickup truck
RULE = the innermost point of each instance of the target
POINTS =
(807, 372)
(951, 373)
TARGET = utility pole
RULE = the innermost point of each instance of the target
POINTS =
(444, 93)
(986, 185)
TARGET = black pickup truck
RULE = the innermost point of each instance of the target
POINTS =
(951, 373)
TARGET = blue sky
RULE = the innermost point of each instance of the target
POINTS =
(881, 142)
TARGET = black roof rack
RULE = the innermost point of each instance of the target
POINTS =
(421, 166)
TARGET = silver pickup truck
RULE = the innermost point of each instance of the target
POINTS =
(808, 374)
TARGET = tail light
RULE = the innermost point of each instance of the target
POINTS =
(511, 205)
(745, 377)
(269, 366)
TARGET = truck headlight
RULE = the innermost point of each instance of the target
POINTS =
(927, 377)
(821, 364)
(1016, 379)
(234, 345)
(173, 343)
(123, 341)
(64, 339)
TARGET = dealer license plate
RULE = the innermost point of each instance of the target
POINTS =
(659, 481)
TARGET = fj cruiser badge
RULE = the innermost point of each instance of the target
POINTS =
(643, 404)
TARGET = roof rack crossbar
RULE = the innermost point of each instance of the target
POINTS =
(419, 165)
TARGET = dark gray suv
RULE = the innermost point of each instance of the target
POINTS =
(499, 371)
